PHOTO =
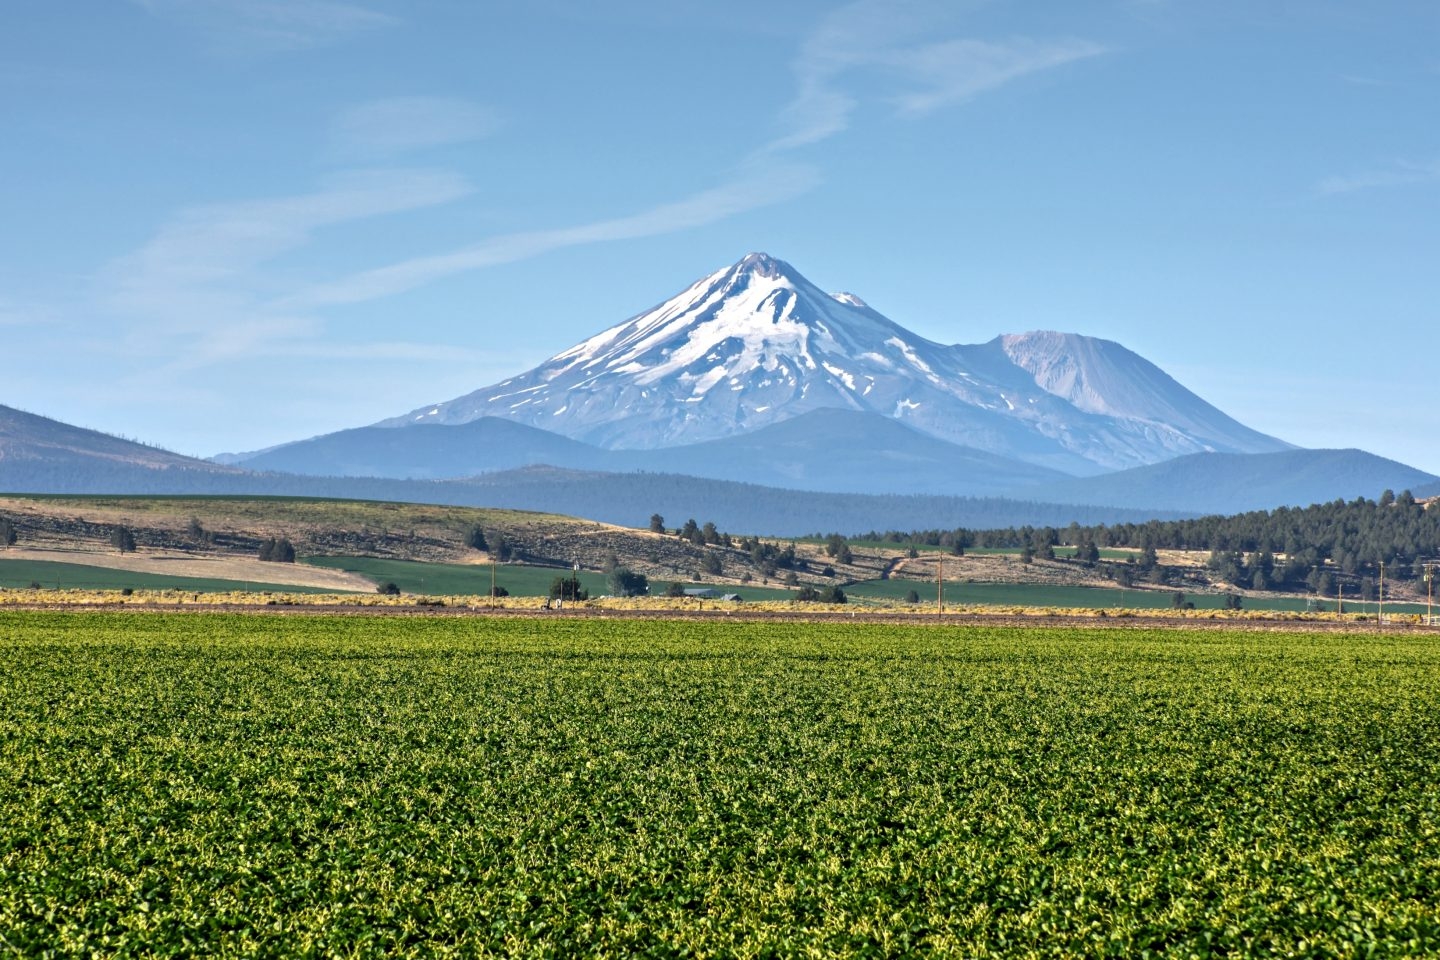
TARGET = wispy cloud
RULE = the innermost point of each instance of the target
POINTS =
(902, 45)
(952, 71)
(895, 40)
(762, 187)
(215, 243)
(203, 277)
(1399, 174)
(399, 124)
(200, 278)
(273, 24)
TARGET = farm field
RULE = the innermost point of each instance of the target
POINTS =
(19, 574)
(1059, 595)
(226, 785)
(455, 579)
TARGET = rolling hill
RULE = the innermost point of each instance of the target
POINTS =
(1233, 483)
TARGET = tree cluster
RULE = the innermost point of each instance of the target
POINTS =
(832, 594)
(122, 540)
(568, 588)
(838, 547)
(277, 550)
(700, 536)
(770, 559)
(624, 582)
(490, 541)
(197, 534)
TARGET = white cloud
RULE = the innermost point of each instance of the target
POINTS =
(1400, 174)
(762, 187)
(272, 24)
(398, 124)
(897, 44)
(955, 70)
(205, 247)
(198, 288)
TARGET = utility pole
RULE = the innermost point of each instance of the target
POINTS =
(940, 583)
(1382, 595)
(492, 581)
(1339, 598)
(1429, 594)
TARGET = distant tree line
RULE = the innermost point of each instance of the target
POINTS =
(1355, 537)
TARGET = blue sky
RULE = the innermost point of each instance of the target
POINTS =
(232, 223)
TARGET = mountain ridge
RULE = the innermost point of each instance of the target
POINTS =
(1220, 483)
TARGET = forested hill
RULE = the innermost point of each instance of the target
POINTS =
(1355, 537)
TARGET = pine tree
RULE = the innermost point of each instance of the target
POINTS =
(122, 540)
(7, 533)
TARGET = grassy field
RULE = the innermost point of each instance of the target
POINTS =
(295, 511)
(224, 786)
(1106, 553)
(453, 579)
(19, 574)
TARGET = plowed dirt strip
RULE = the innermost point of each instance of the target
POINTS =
(216, 567)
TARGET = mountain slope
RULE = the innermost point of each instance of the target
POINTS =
(846, 451)
(37, 452)
(630, 499)
(429, 452)
(1233, 483)
(839, 451)
(756, 343)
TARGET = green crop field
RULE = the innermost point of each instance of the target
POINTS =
(1059, 595)
(222, 785)
(76, 576)
(455, 579)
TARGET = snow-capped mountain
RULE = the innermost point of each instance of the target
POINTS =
(756, 343)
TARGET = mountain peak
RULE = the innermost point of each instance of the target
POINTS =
(755, 343)
(765, 265)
